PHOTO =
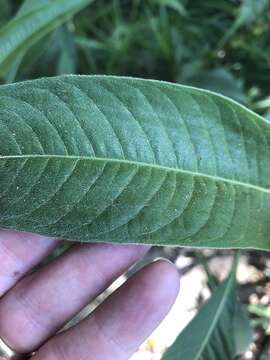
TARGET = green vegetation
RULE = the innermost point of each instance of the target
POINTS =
(109, 158)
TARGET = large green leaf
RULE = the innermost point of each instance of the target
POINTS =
(127, 160)
(34, 20)
(219, 331)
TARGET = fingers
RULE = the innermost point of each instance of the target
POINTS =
(117, 327)
(20, 252)
(44, 301)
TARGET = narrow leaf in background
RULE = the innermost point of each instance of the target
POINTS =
(220, 330)
(219, 80)
(242, 329)
(33, 21)
(173, 4)
(67, 51)
(249, 11)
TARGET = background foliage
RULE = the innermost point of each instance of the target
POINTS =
(221, 45)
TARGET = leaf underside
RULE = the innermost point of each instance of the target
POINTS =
(100, 158)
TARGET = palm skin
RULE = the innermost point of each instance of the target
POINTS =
(35, 305)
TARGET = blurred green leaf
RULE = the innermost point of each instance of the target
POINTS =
(33, 21)
(13, 69)
(250, 11)
(242, 329)
(262, 312)
(219, 80)
(89, 44)
(267, 270)
(220, 330)
(267, 116)
(31, 6)
(5, 12)
(173, 4)
(53, 54)
(263, 103)
(67, 52)
(212, 280)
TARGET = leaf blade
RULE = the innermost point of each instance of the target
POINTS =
(154, 170)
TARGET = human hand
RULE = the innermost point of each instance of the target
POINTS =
(34, 306)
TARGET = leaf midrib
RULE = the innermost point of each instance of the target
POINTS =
(139, 163)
